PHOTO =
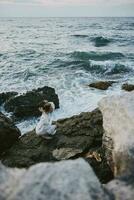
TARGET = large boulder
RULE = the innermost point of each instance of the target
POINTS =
(65, 180)
(74, 135)
(118, 122)
(74, 138)
(9, 133)
(26, 105)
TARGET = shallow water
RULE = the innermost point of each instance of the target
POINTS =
(62, 53)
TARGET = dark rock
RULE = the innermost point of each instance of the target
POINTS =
(102, 85)
(74, 138)
(80, 133)
(9, 133)
(102, 168)
(6, 96)
(26, 105)
(128, 87)
(101, 41)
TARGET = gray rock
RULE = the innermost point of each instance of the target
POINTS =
(65, 180)
(118, 122)
(122, 188)
(65, 153)
(9, 181)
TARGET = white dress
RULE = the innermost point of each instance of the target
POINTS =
(44, 126)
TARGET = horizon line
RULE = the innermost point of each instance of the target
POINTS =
(66, 17)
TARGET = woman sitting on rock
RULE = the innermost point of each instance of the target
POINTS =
(44, 127)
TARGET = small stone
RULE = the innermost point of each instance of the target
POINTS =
(128, 87)
(102, 85)
(65, 153)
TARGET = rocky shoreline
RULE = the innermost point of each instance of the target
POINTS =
(91, 142)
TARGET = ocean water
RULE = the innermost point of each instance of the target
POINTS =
(67, 54)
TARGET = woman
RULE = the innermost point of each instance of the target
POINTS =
(44, 127)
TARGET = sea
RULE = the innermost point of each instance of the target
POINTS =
(67, 54)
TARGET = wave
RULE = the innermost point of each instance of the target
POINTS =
(94, 67)
(26, 52)
(75, 64)
(101, 41)
(97, 56)
(29, 53)
(109, 68)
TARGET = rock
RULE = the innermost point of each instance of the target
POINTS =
(65, 180)
(121, 188)
(128, 87)
(101, 168)
(6, 96)
(102, 85)
(9, 133)
(26, 105)
(77, 133)
(101, 41)
(118, 122)
(65, 153)
(75, 136)
(9, 180)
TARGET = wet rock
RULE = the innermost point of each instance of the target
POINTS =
(128, 87)
(102, 85)
(65, 180)
(101, 41)
(26, 105)
(9, 133)
(6, 96)
(118, 122)
(76, 134)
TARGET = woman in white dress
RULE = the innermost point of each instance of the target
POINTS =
(44, 127)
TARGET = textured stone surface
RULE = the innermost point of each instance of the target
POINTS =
(65, 180)
(26, 105)
(122, 188)
(6, 96)
(118, 122)
(128, 87)
(9, 133)
(9, 181)
(80, 132)
(65, 153)
(102, 85)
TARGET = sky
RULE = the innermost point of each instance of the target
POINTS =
(66, 8)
